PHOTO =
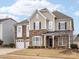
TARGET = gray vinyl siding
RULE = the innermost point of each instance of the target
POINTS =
(8, 32)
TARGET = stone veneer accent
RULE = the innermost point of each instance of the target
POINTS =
(37, 33)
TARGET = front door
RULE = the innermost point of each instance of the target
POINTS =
(49, 42)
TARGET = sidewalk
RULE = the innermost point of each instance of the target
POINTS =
(4, 51)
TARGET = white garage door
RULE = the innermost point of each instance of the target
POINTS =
(20, 43)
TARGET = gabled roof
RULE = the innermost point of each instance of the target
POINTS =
(43, 13)
(37, 11)
(23, 22)
(60, 15)
(46, 12)
(5, 19)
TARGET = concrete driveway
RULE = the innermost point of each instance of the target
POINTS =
(4, 51)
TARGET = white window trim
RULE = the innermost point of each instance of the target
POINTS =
(19, 34)
(62, 44)
(35, 43)
(37, 16)
(37, 25)
(62, 21)
(50, 25)
(60, 25)
(27, 30)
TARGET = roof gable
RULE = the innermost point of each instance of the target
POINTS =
(37, 11)
(46, 13)
(5, 19)
(60, 15)
(23, 22)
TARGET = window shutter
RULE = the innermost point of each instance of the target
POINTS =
(34, 25)
(15, 31)
(59, 26)
(23, 30)
(65, 25)
(40, 25)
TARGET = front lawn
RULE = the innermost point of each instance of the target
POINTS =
(47, 53)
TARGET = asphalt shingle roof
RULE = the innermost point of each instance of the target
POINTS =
(60, 15)
(4, 19)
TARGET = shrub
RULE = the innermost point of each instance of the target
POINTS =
(42, 46)
(30, 46)
(6, 45)
(74, 46)
(12, 45)
(1, 42)
(36, 46)
(78, 35)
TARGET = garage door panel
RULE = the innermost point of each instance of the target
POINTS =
(20, 43)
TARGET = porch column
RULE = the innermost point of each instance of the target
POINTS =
(53, 41)
(45, 41)
(69, 41)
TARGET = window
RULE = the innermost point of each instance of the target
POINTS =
(36, 41)
(19, 31)
(37, 25)
(50, 25)
(61, 41)
(27, 31)
(62, 25)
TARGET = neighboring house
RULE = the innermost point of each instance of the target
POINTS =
(6, 30)
(76, 41)
(49, 29)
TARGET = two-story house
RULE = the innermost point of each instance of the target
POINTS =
(6, 30)
(48, 29)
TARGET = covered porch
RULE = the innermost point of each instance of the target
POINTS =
(57, 40)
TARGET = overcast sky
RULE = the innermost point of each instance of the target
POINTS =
(22, 9)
